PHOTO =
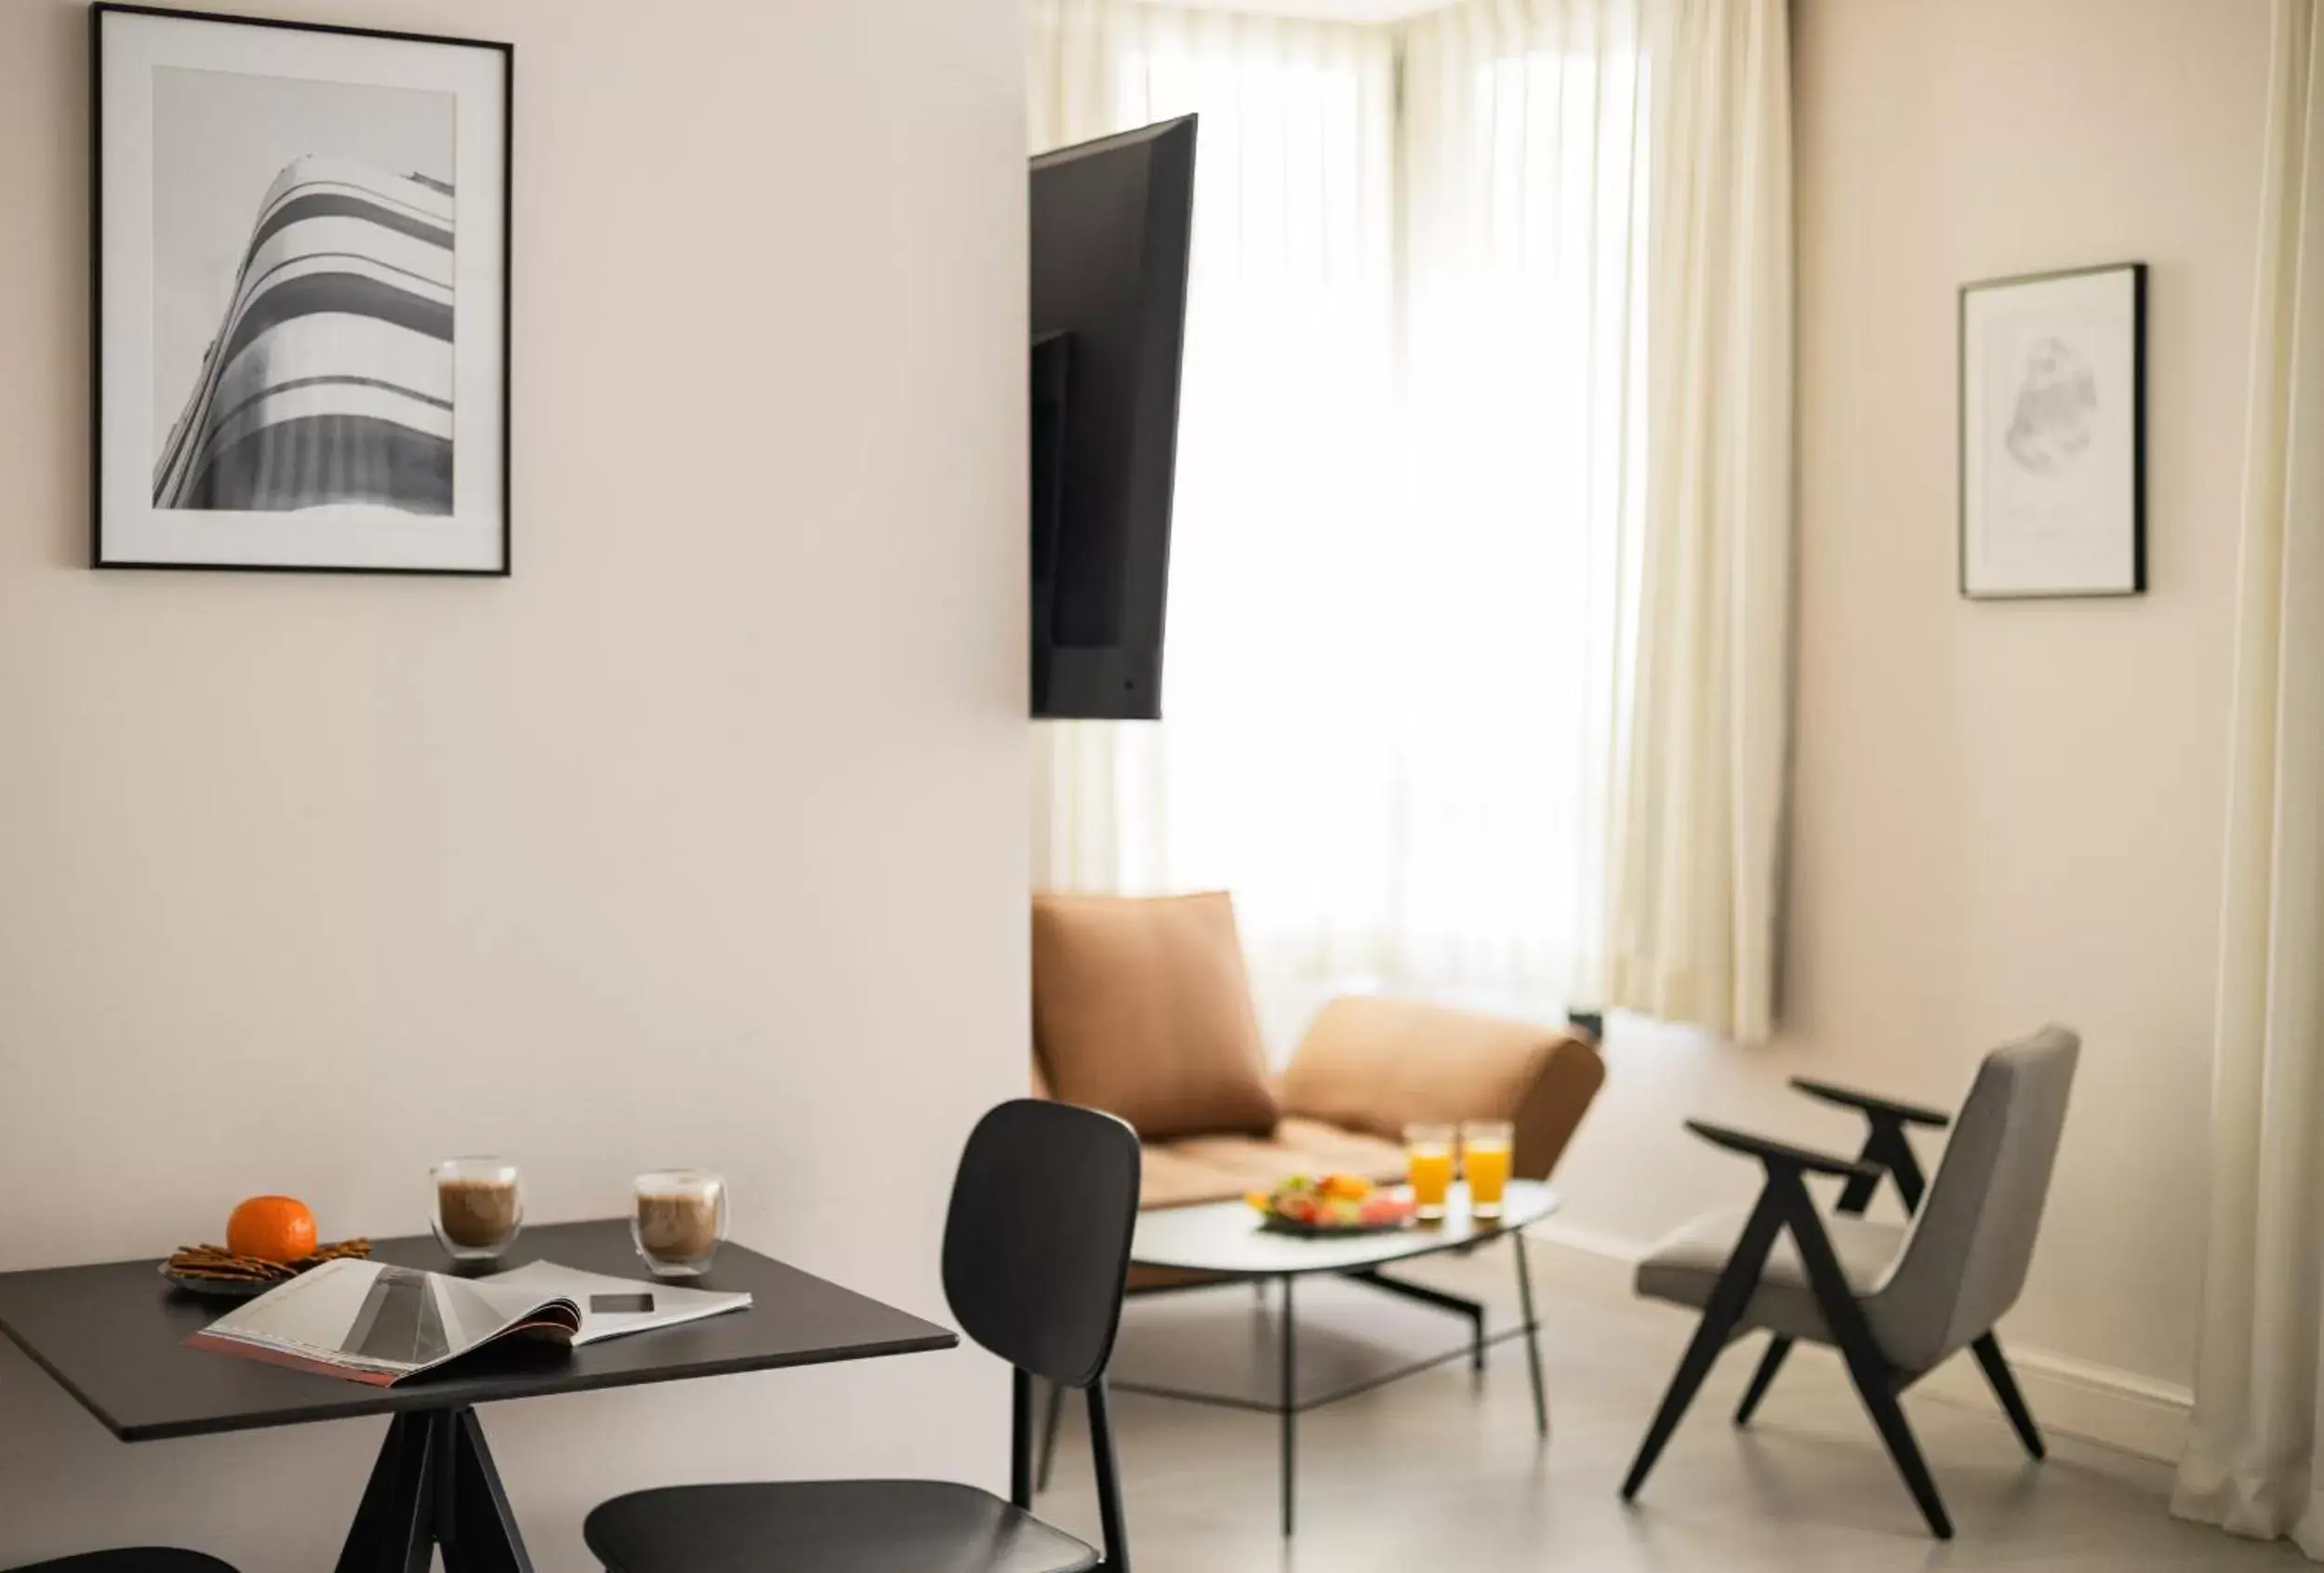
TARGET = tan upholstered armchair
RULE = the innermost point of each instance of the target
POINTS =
(1142, 1008)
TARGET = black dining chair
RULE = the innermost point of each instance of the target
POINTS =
(131, 1559)
(1036, 1247)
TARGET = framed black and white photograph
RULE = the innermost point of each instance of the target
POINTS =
(301, 296)
(2053, 434)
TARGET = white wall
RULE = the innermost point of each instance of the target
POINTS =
(700, 840)
(2003, 813)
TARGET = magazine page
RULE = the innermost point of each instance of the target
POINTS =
(612, 1307)
(370, 1322)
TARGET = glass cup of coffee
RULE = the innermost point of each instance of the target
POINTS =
(479, 1207)
(680, 1218)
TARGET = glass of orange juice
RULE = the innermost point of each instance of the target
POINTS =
(1485, 1162)
(1428, 1167)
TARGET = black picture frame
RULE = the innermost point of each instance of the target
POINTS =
(100, 557)
(2136, 582)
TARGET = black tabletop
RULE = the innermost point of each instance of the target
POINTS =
(115, 1337)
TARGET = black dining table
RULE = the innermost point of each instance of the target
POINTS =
(113, 1336)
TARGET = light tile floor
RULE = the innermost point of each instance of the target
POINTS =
(1436, 1475)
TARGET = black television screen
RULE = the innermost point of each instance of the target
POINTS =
(1112, 223)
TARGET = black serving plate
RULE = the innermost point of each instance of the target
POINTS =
(230, 1290)
(217, 1288)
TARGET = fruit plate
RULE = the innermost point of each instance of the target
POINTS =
(1276, 1224)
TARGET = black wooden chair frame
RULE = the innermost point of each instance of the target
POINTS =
(1116, 1542)
(1045, 1296)
(1784, 1204)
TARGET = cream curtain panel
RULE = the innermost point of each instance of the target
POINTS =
(1475, 678)
(1699, 762)
(2252, 1463)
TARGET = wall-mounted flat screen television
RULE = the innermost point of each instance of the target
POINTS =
(1111, 223)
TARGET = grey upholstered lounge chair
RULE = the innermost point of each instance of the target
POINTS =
(1896, 1299)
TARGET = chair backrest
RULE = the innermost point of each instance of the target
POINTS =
(1037, 1245)
(1964, 1259)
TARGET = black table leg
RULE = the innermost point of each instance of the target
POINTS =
(1291, 1405)
(434, 1486)
(1532, 1339)
(393, 1532)
(1459, 1305)
(477, 1531)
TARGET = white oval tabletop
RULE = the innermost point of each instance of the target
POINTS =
(1226, 1237)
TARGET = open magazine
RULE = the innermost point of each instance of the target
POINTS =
(370, 1322)
(612, 1308)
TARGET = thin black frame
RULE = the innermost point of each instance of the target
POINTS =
(2138, 435)
(97, 559)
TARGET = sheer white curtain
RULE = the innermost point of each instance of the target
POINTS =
(1525, 139)
(1417, 543)
(1275, 772)
(2252, 1463)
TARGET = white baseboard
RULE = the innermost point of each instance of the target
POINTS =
(2119, 1409)
(2103, 1404)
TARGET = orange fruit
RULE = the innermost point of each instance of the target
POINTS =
(275, 1227)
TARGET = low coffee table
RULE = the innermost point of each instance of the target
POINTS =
(1223, 1240)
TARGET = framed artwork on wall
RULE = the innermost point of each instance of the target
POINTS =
(2054, 434)
(301, 303)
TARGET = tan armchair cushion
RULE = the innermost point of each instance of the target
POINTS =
(1218, 1168)
(1377, 1065)
(1141, 1008)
